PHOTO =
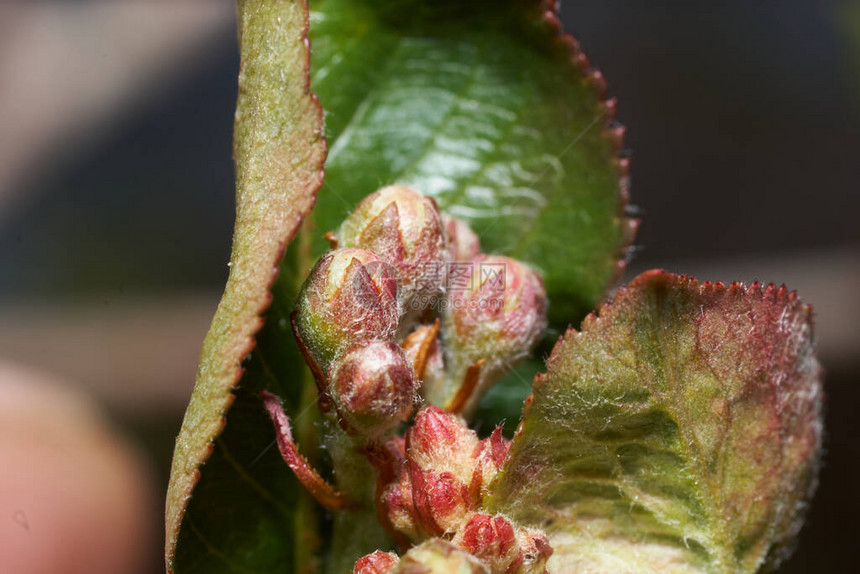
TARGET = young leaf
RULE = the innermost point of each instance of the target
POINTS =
(279, 152)
(489, 108)
(679, 430)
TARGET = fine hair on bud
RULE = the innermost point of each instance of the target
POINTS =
(495, 313)
(404, 228)
(349, 297)
(373, 387)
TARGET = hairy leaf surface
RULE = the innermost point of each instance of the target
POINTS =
(279, 152)
(680, 427)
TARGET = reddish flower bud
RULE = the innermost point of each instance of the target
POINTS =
(399, 509)
(463, 243)
(495, 312)
(378, 562)
(349, 297)
(441, 441)
(433, 485)
(372, 387)
(439, 449)
(404, 228)
(504, 547)
(493, 539)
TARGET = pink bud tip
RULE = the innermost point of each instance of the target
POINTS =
(405, 229)
(490, 538)
(378, 562)
(349, 297)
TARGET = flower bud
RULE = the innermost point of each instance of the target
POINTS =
(504, 547)
(378, 562)
(404, 228)
(372, 387)
(439, 449)
(495, 313)
(438, 556)
(399, 509)
(349, 297)
(463, 243)
(433, 481)
(493, 539)
(442, 442)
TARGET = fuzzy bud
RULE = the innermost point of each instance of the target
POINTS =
(463, 243)
(438, 556)
(399, 509)
(492, 539)
(372, 387)
(495, 312)
(404, 228)
(349, 297)
(504, 547)
(378, 562)
(439, 449)
(437, 477)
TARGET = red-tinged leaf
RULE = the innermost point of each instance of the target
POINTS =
(679, 430)
(279, 153)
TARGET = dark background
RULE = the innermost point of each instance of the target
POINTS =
(744, 127)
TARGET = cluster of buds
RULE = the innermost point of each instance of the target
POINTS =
(364, 323)
(485, 544)
(431, 486)
(350, 307)
(345, 321)
(431, 481)
(394, 254)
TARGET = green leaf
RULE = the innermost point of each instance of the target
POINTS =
(489, 108)
(279, 152)
(680, 427)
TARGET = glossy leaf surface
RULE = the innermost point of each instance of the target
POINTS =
(490, 109)
(679, 429)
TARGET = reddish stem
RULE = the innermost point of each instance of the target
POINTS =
(310, 478)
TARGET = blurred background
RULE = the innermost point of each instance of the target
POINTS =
(116, 206)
